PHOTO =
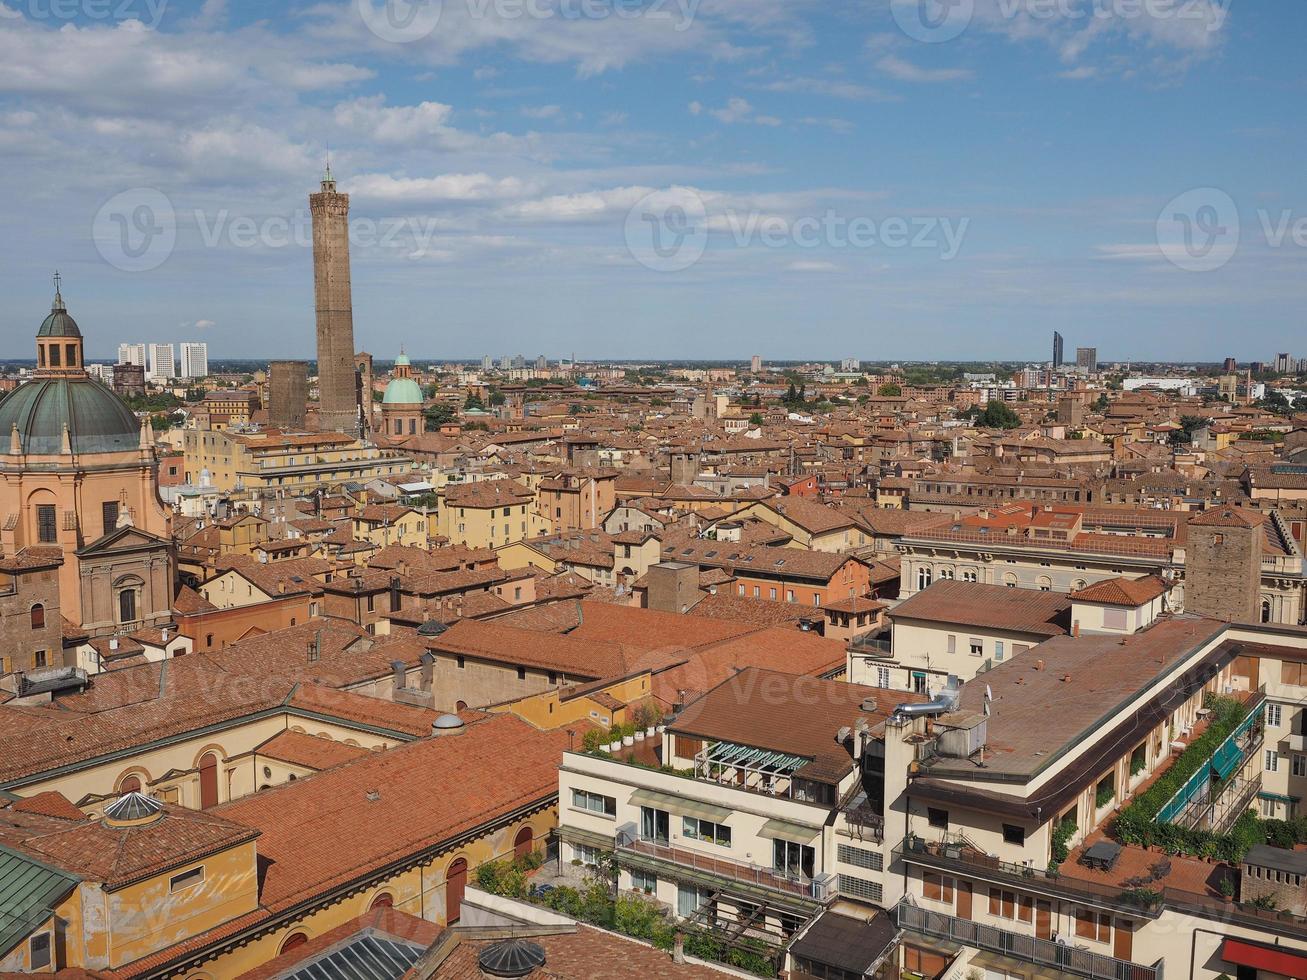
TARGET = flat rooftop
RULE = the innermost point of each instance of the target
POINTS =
(1037, 713)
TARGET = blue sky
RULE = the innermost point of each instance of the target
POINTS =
(690, 178)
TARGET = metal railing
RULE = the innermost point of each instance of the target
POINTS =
(864, 822)
(720, 868)
(958, 856)
(1043, 952)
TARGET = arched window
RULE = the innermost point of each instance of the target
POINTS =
(946, 574)
(923, 578)
(1044, 583)
(1266, 609)
(38, 617)
(130, 784)
(1010, 579)
(294, 941)
(523, 842)
(383, 901)
(460, 705)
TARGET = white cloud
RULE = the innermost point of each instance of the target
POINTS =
(446, 187)
(906, 71)
(542, 111)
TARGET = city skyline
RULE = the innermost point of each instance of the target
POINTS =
(508, 174)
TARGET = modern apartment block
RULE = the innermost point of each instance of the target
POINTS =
(162, 362)
(968, 831)
(195, 359)
(131, 354)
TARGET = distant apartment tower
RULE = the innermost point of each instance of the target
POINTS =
(163, 362)
(487, 363)
(338, 387)
(1057, 350)
(1283, 364)
(195, 360)
(131, 354)
(542, 363)
(1223, 564)
(850, 364)
(755, 364)
(1087, 359)
(1229, 365)
(288, 391)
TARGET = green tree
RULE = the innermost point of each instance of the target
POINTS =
(755, 419)
(473, 402)
(791, 394)
(437, 415)
(497, 398)
(889, 391)
(995, 415)
(1101, 404)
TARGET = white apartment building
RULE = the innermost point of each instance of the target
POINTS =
(974, 824)
(132, 354)
(163, 362)
(195, 359)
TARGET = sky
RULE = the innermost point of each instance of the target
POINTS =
(891, 179)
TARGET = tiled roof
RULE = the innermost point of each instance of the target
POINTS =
(119, 855)
(1122, 591)
(783, 712)
(309, 751)
(988, 607)
(349, 821)
(493, 641)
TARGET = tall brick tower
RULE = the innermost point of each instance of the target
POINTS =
(1223, 564)
(337, 386)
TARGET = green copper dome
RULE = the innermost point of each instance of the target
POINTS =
(97, 420)
(58, 323)
(402, 391)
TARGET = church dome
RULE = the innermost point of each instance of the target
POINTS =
(402, 391)
(97, 420)
(59, 323)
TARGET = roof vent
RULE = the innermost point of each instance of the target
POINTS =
(133, 810)
(511, 958)
(447, 725)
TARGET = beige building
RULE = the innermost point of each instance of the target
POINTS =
(273, 460)
(81, 478)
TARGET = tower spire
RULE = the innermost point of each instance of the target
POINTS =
(58, 305)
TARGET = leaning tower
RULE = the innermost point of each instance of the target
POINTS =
(337, 386)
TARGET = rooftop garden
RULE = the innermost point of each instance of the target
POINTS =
(597, 902)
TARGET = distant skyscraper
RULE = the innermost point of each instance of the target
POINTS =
(1057, 350)
(850, 364)
(487, 363)
(542, 363)
(195, 359)
(1283, 364)
(1087, 359)
(338, 390)
(755, 365)
(131, 354)
(163, 362)
(1229, 365)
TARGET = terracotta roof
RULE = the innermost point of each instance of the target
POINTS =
(586, 954)
(347, 822)
(988, 607)
(1229, 517)
(1122, 591)
(309, 751)
(387, 922)
(799, 716)
(118, 855)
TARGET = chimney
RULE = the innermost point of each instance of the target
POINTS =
(1039, 664)
(1075, 628)
(397, 676)
(678, 948)
(165, 634)
(314, 650)
(1066, 678)
(428, 669)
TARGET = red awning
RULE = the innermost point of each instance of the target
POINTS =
(1273, 959)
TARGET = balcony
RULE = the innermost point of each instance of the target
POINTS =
(746, 875)
(1041, 952)
(960, 857)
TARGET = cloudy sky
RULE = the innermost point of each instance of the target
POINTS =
(664, 178)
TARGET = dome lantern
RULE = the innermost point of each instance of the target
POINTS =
(59, 350)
